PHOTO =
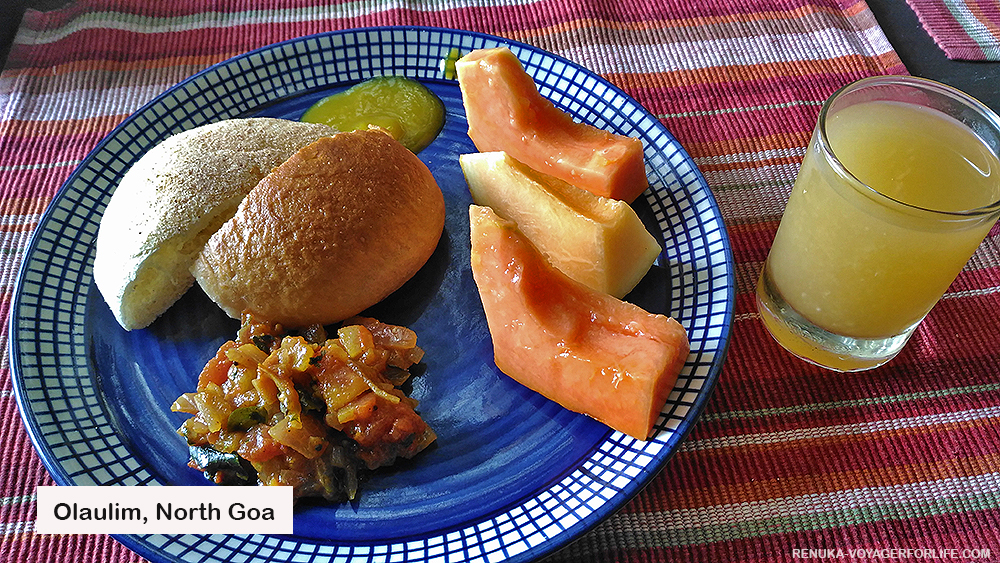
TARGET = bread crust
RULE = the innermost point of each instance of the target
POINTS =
(170, 201)
(330, 232)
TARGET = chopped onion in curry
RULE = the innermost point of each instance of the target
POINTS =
(303, 409)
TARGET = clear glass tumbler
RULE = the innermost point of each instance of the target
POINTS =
(899, 186)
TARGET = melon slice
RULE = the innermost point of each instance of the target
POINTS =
(595, 240)
(586, 350)
(507, 113)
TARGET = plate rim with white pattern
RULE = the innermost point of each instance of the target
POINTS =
(63, 410)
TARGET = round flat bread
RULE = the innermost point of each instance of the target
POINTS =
(172, 199)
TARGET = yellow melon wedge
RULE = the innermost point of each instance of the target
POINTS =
(584, 349)
(597, 241)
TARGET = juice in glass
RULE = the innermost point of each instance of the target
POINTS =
(894, 195)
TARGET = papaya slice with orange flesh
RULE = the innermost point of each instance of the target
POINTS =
(506, 113)
(586, 350)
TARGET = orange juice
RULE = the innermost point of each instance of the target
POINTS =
(873, 236)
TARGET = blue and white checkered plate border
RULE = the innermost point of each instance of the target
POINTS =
(513, 476)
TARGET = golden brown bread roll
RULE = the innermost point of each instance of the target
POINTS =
(335, 229)
(173, 198)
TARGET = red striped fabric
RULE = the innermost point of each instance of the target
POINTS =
(788, 462)
(964, 29)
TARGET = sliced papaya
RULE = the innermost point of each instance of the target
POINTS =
(597, 241)
(507, 113)
(586, 350)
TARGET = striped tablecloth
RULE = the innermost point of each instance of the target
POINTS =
(788, 461)
(964, 29)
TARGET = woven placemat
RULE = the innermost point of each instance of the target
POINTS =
(787, 461)
(964, 29)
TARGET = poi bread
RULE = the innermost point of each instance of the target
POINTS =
(173, 198)
(335, 229)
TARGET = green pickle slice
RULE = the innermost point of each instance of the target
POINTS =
(405, 108)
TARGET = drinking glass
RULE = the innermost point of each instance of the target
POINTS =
(899, 186)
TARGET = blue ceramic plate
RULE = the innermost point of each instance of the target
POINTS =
(512, 476)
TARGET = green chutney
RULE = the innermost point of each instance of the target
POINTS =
(405, 108)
